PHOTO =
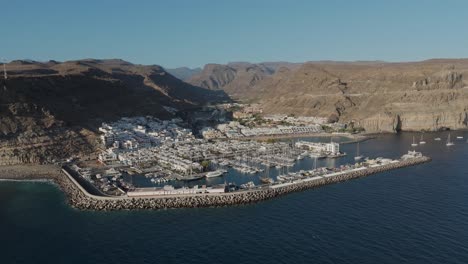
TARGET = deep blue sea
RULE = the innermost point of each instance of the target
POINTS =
(412, 215)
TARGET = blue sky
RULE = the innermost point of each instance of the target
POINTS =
(192, 33)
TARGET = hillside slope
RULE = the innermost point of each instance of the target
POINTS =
(236, 78)
(51, 111)
(184, 73)
(427, 95)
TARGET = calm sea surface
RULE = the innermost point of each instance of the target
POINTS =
(412, 215)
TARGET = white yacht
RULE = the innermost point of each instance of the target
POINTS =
(449, 143)
(421, 141)
(358, 156)
(215, 173)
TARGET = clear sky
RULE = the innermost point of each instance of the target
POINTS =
(192, 33)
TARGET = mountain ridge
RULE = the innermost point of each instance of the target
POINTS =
(379, 96)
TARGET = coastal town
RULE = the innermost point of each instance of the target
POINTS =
(146, 156)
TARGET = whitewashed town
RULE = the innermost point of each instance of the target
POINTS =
(145, 156)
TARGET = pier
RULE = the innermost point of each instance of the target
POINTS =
(79, 198)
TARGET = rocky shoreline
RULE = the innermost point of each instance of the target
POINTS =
(78, 198)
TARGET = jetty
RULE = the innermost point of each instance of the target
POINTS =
(80, 198)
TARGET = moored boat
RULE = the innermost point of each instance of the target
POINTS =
(358, 156)
(449, 142)
(215, 173)
(421, 141)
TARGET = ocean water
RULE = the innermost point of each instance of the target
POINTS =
(412, 215)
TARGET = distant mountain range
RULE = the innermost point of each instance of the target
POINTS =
(236, 78)
(379, 96)
(184, 73)
(52, 109)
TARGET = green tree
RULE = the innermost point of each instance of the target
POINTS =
(205, 164)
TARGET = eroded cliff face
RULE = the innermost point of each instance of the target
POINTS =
(386, 97)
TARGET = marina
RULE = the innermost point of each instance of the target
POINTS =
(189, 165)
(168, 197)
(144, 152)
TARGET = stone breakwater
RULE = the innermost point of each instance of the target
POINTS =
(80, 199)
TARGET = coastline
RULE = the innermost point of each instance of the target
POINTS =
(79, 198)
(29, 172)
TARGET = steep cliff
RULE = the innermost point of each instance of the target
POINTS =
(428, 95)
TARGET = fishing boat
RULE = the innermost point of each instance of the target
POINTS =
(421, 141)
(215, 173)
(266, 180)
(358, 156)
(449, 143)
(414, 144)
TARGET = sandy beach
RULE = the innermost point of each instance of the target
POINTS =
(30, 172)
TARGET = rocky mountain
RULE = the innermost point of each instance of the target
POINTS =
(51, 110)
(379, 96)
(184, 73)
(236, 78)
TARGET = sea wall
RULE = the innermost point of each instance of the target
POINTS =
(81, 200)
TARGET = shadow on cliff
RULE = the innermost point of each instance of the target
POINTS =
(87, 100)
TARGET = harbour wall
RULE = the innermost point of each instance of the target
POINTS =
(79, 198)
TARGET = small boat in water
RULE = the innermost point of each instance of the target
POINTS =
(421, 141)
(437, 139)
(459, 137)
(449, 143)
(358, 156)
(414, 144)
(215, 173)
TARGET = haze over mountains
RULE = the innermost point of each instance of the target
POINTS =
(184, 73)
(379, 96)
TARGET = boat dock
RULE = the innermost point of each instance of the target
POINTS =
(80, 198)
